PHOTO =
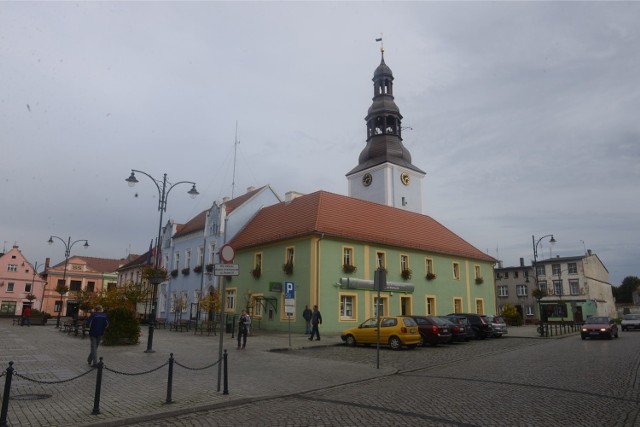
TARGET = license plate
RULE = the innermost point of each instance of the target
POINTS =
(445, 330)
(594, 333)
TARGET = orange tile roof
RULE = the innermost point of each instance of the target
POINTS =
(354, 219)
(101, 265)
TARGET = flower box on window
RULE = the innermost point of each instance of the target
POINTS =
(406, 273)
(431, 276)
(288, 268)
(186, 271)
(349, 268)
(197, 269)
(256, 273)
(209, 268)
(479, 281)
(174, 273)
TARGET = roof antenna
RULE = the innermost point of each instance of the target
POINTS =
(235, 152)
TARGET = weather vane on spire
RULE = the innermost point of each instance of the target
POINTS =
(379, 39)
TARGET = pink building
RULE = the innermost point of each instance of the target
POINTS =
(18, 280)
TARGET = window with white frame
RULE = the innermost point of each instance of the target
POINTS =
(380, 261)
(574, 286)
(12, 267)
(230, 300)
(557, 287)
(27, 287)
(572, 267)
(555, 269)
(200, 256)
(290, 256)
(404, 263)
(479, 306)
(521, 290)
(431, 306)
(347, 307)
(503, 291)
(176, 262)
(187, 258)
(379, 306)
(212, 253)
(529, 310)
(257, 261)
(542, 284)
(347, 256)
(456, 271)
(10, 286)
(540, 270)
(477, 271)
(428, 263)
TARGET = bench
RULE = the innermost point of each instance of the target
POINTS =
(207, 326)
(180, 325)
(161, 322)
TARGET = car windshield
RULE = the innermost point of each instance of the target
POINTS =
(498, 319)
(597, 320)
(631, 317)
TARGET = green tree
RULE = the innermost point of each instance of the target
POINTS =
(623, 293)
(511, 314)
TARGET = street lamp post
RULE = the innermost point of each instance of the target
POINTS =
(67, 251)
(535, 265)
(163, 194)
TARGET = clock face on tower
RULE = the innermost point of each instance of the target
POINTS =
(405, 178)
(366, 179)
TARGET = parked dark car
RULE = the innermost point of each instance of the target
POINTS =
(498, 324)
(599, 327)
(481, 328)
(461, 330)
(433, 330)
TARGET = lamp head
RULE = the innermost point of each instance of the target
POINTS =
(86, 244)
(50, 241)
(132, 180)
(193, 192)
(552, 240)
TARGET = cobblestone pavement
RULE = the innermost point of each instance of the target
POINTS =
(515, 380)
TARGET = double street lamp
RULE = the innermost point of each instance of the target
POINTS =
(164, 188)
(535, 266)
(67, 251)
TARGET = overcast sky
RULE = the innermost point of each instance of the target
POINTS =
(525, 116)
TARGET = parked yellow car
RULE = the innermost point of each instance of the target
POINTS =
(395, 331)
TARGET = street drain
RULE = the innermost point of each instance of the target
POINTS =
(30, 396)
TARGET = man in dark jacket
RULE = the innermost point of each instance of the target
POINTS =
(316, 319)
(98, 322)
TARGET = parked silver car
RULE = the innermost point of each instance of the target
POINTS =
(498, 324)
(630, 321)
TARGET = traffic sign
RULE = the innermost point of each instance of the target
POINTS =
(289, 298)
(226, 269)
(227, 253)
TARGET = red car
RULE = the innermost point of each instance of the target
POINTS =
(433, 330)
(599, 326)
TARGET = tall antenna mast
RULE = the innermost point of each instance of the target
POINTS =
(235, 152)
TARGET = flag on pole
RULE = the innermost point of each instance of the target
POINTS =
(379, 39)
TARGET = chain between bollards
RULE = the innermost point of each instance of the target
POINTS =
(96, 398)
(5, 396)
(170, 379)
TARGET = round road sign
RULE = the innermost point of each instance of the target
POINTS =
(227, 253)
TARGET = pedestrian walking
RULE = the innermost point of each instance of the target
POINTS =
(316, 319)
(97, 322)
(306, 315)
(26, 316)
(243, 329)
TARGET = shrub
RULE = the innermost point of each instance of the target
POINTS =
(123, 327)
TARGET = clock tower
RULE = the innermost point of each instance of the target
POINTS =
(385, 174)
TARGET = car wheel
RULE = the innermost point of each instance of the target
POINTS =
(350, 340)
(395, 343)
(616, 335)
(422, 341)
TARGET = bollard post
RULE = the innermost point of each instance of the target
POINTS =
(226, 377)
(5, 396)
(170, 379)
(96, 397)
